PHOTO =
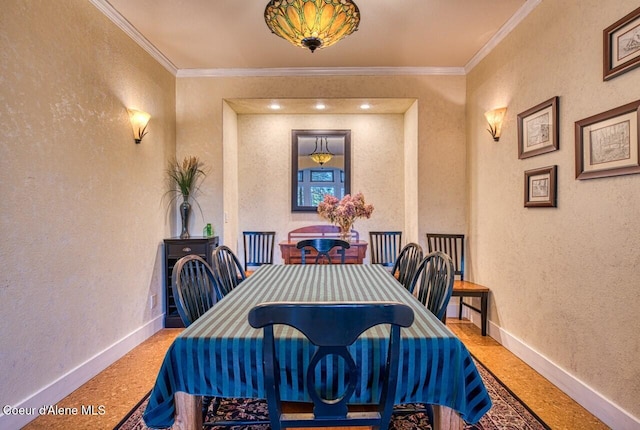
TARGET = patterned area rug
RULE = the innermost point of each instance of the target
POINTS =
(507, 412)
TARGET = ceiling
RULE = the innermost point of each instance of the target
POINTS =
(231, 35)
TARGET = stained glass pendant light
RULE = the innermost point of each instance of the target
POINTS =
(312, 24)
(320, 155)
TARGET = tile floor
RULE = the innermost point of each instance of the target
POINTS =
(119, 387)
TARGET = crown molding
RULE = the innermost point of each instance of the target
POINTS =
(507, 28)
(105, 7)
(328, 71)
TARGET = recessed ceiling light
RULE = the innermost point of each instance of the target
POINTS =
(365, 106)
(320, 106)
(274, 106)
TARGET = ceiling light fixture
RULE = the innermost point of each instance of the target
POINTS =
(365, 106)
(312, 24)
(494, 118)
(320, 106)
(320, 155)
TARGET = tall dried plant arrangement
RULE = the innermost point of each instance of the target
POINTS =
(184, 179)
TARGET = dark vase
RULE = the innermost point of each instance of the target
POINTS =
(185, 208)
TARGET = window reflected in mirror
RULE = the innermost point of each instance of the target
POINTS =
(320, 165)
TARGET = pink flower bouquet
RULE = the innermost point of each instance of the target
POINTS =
(343, 213)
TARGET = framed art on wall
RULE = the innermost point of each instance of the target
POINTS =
(622, 45)
(607, 143)
(538, 129)
(540, 187)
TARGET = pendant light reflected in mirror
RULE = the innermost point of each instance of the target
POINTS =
(321, 153)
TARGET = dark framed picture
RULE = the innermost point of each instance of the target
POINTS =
(607, 143)
(540, 187)
(622, 45)
(538, 129)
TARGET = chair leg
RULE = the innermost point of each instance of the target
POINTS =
(483, 312)
(460, 310)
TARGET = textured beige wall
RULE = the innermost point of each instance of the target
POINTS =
(441, 141)
(82, 218)
(563, 279)
(264, 172)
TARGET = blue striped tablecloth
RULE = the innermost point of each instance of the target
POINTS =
(221, 354)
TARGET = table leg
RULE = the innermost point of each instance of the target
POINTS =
(446, 419)
(188, 412)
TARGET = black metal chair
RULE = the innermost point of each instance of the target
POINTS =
(407, 263)
(453, 246)
(385, 247)
(258, 248)
(323, 247)
(433, 283)
(227, 270)
(331, 327)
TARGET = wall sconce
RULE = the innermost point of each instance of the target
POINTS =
(139, 121)
(494, 118)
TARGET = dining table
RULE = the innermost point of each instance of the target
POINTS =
(220, 354)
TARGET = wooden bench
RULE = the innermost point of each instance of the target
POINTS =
(291, 255)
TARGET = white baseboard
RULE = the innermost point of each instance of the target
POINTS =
(607, 411)
(72, 380)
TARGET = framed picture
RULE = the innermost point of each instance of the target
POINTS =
(538, 129)
(622, 45)
(540, 187)
(607, 143)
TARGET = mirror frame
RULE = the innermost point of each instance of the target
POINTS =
(295, 135)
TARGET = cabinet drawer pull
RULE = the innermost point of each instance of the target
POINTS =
(186, 249)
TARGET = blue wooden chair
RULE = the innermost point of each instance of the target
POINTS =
(258, 249)
(227, 270)
(323, 247)
(193, 288)
(407, 263)
(453, 246)
(385, 247)
(331, 327)
(433, 283)
(194, 292)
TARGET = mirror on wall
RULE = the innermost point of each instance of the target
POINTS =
(320, 164)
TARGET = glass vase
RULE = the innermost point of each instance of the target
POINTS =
(185, 208)
(345, 233)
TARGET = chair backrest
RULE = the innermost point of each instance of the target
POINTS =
(227, 270)
(258, 248)
(450, 244)
(193, 287)
(323, 247)
(407, 263)
(433, 283)
(385, 247)
(331, 327)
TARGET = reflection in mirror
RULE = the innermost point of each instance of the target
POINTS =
(320, 164)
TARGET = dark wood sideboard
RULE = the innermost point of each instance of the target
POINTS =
(175, 249)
